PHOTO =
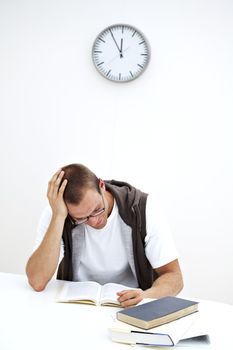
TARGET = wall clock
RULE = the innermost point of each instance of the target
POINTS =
(121, 53)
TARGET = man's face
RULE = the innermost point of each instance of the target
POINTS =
(93, 209)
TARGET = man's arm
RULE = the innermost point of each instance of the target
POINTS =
(43, 263)
(169, 282)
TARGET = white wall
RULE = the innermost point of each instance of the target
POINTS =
(169, 131)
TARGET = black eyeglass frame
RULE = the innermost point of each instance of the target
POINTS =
(84, 220)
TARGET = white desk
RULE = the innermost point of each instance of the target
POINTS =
(32, 320)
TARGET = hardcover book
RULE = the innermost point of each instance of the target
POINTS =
(157, 312)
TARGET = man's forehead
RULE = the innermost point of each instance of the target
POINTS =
(87, 205)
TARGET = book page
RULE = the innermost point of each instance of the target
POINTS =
(174, 330)
(85, 292)
(197, 334)
(108, 293)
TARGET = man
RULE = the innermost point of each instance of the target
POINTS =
(107, 231)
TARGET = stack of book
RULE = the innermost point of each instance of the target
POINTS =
(163, 322)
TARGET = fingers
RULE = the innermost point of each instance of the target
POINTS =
(130, 297)
(56, 187)
(62, 188)
(54, 184)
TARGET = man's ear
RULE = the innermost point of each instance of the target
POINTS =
(101, 184)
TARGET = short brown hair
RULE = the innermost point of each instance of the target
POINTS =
(80, 178)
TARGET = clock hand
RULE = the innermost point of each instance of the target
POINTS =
(115, 41)
(121, 55)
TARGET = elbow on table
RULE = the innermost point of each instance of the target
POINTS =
(37, 280)
(38, 286)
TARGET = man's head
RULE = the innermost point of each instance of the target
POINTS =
(84, 196)
(80, 179)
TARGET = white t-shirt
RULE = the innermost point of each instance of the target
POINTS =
(104, 257)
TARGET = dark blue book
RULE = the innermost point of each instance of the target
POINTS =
(157, 312)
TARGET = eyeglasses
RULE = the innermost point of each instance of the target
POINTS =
(93, 215)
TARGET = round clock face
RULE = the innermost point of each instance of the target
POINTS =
(120, 53)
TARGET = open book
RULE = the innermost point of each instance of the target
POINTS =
(90, 293)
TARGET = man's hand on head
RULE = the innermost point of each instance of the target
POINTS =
(56, 188)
